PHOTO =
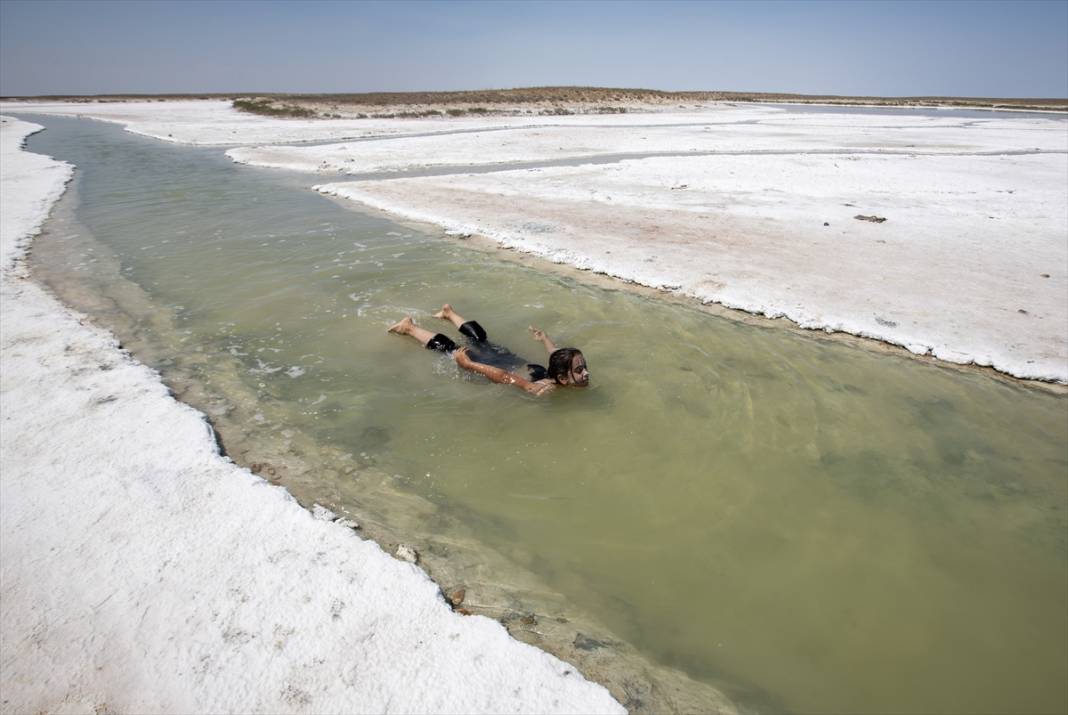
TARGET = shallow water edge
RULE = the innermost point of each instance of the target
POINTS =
(866, 450)
(598, 279)
(384, 509)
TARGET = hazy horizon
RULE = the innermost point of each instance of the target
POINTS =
(238, 93)
(884, 49)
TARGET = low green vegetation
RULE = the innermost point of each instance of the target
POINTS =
(267, 107)
(538, 100)
(609, 99)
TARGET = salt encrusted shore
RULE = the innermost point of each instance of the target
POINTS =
(216, 123)
(970, 266)
(116, 596)
(140, 571)
(751, 207)
(755, 132)
(943, 235)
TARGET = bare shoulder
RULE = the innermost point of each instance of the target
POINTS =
(541, 387)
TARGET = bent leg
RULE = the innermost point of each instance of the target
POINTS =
(447, 313)
(470, 328)
(407, 327)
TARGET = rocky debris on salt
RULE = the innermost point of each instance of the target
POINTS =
(456, 596)
(407, 553)
(321, 513)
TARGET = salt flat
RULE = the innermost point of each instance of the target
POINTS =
(719, 130)
(140, 571)
(971, 265)
(756, 210)
(213, 122)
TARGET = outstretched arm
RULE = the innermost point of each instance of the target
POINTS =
(496, 374)
(540, 336)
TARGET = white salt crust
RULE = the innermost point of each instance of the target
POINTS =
(971, 265)
(757, 209)
(140, 571)
(217, 123)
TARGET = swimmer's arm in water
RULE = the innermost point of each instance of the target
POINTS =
(540, 336)
(496, 374)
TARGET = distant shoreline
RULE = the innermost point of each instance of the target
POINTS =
(542, 100)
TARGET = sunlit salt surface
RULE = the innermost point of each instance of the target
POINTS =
(811, 526)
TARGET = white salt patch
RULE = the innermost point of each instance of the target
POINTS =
(321, 513)
(971, 265)
(768, 133)
(140, 571)
(216, 122)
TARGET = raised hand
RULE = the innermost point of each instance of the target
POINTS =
(462, 358)
(539, 336)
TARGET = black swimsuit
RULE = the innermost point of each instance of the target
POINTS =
(486, 352)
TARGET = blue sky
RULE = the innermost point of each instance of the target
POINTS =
(961, 48)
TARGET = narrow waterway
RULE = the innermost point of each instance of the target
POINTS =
(808, 525)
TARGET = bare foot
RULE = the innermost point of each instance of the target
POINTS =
(445, 313)
(403, 326)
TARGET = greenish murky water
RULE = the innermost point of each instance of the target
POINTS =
(818, 528)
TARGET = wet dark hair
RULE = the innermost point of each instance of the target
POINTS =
(560, 363)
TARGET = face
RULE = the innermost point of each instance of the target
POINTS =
(579, 375)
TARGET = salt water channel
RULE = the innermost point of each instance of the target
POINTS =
(806, 524)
